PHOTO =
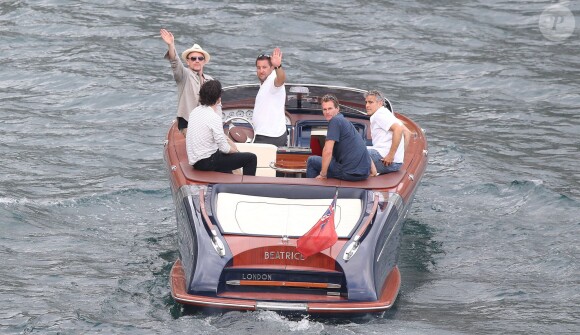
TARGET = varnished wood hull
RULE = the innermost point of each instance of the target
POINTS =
(220, 269)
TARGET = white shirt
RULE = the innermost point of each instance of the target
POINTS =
(205, 134)
(381, 122)
(269, 118)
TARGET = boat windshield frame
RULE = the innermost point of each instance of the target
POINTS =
(351, 100)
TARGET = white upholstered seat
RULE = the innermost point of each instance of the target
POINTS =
(266, 153)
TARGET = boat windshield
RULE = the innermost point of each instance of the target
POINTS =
(300, 96)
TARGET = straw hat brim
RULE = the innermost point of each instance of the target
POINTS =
(195, 48)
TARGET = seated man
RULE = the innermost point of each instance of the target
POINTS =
(388, 150)
(345, 155)
(208, 148)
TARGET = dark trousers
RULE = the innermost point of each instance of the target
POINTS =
(221, 162)
(280, 141)
(314, 166)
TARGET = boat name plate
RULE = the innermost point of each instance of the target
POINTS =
(283, 255)
(257, 276)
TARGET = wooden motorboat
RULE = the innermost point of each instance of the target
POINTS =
(237, 234)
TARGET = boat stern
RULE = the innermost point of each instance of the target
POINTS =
(248, 260)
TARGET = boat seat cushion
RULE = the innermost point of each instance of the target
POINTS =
(266, 154)
(273, 216)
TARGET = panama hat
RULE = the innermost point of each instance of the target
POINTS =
(195, 48)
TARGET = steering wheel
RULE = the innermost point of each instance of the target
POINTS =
(239, 134)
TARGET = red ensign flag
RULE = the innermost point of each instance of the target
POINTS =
(322, 235)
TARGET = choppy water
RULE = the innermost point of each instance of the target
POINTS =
(86, 216)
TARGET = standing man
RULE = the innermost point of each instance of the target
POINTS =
(269, 118)
(188, 79)
(388, 150)
(208, 148)
(345, 155)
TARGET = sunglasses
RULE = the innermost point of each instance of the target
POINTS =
(263, 56)
(200, 58)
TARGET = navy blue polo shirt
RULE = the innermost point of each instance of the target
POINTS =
(350, 150)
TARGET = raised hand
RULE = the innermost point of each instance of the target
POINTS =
(276, 57)
(167, 36)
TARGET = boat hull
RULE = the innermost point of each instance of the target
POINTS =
(237, 235)
(250, 303)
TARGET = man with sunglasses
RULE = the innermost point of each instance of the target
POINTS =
(189, 80)
(268, 118)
